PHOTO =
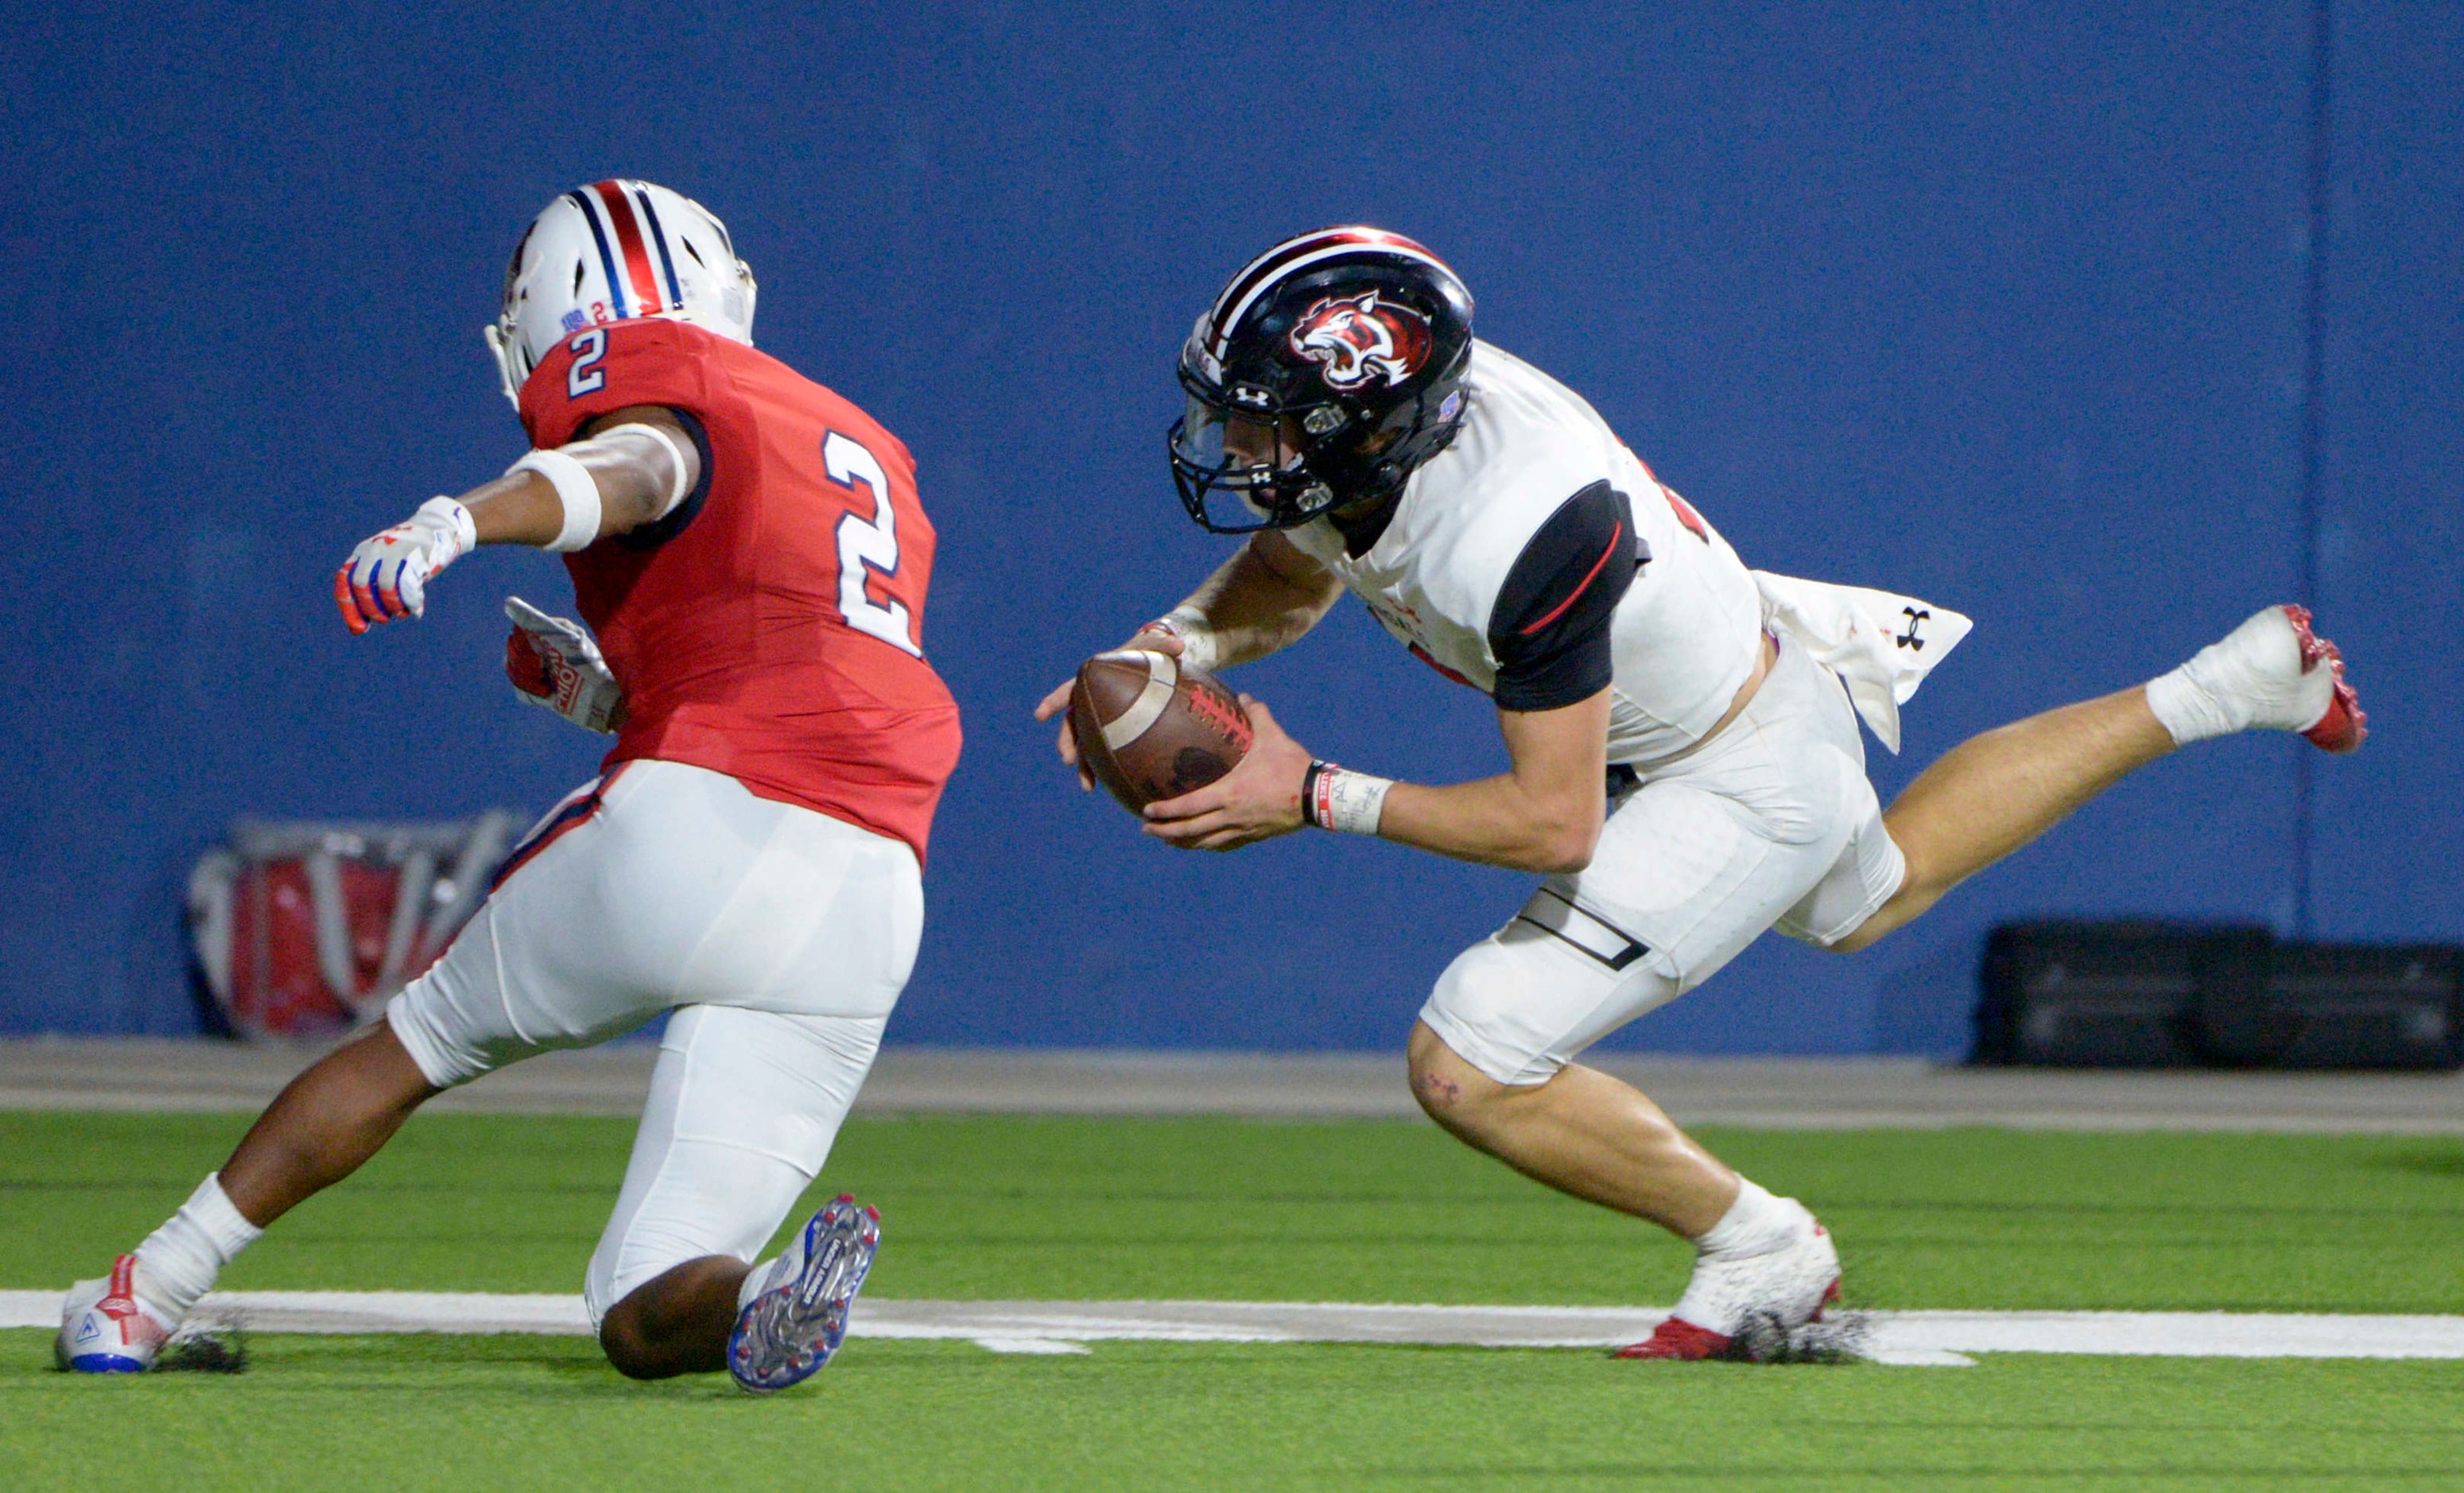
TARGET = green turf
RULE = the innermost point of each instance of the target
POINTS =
(1072, 1208)
(1349, 1211)
(523, 1413)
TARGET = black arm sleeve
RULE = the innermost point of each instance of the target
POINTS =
(1549, 629)
(650, 536)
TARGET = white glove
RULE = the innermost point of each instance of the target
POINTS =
(555, 665)
(385, 578)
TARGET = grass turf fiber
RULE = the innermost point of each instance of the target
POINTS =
(1353, 1211)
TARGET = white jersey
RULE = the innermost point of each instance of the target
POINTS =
(1494, 516)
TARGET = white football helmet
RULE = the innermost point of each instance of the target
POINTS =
(610, 252)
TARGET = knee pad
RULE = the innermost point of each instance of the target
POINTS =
(422, 1019)
(1519, 1004)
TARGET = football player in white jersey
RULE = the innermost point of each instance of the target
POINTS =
(1687, 767)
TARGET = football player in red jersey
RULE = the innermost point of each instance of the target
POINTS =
(748, 549)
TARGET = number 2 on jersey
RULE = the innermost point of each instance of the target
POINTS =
(579, 377)
(866, 544)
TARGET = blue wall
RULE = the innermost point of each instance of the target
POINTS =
(1997, 304)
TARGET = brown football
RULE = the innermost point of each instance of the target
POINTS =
(1149, 729)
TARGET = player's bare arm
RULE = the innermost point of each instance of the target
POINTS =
(1264, 597)
(1550, 636)
(632, 471)
(1543, 814)
(630, 468)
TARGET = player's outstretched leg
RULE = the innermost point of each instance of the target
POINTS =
(796, 1307)
(318, 1130)
(1995, 793)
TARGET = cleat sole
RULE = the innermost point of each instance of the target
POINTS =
(811, 1310)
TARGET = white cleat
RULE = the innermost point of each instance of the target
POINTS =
(106, 1329)
(1785, 1288)
(2270, 673)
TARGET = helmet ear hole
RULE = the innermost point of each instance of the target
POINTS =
(1379, 442)
(577, 278)
(695, 253)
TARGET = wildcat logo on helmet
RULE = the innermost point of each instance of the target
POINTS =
(1355, 338)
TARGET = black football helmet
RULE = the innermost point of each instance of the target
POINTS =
(1351, 344)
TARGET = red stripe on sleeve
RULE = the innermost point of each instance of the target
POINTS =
(1559, 610)
(1686, 516)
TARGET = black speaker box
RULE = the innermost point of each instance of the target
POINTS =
(2104, 995)
(2364, 1007)
(2163, 994)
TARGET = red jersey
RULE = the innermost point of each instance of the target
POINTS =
(770, 628)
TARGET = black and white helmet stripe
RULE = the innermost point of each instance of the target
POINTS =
(1261, 276)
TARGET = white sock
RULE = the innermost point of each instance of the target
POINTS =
(756, 1280)
(1756, 1224)
(2190, 709)
(2254, 675)
(182, 1257)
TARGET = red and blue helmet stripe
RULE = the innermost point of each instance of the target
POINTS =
(625, 246)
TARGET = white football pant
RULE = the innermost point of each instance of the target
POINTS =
(1771, 823)
(780, 937)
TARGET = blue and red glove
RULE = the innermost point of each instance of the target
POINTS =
(385, 578)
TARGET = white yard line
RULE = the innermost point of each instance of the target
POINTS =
(1061, 1327)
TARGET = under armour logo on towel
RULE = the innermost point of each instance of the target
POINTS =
(1909, 638)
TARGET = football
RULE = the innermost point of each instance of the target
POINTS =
(1149, 729)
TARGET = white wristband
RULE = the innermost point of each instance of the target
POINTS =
(1347, 802)
(675, 455)
(575, 488)
(1197, 648)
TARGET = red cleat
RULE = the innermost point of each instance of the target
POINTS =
(1676, 1338)
(2344, 728)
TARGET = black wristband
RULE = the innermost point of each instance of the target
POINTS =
(1308, 794)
